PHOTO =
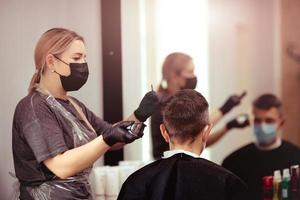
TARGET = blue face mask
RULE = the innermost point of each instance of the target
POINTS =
(265, 133)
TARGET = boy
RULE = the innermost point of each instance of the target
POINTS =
(181, 173)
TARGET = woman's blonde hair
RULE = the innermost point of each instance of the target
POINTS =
(54, 41)
(174, 62)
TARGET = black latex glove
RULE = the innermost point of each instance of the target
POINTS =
(231, 102)
(240, 121)
(147, 106)
(120, 133)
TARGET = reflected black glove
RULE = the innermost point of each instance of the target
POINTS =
(231, 102)
(121, 132)
(147, 106)
(240, 121)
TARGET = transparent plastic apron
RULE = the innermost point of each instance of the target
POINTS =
(74, 187)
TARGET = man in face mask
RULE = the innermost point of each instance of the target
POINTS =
(267, 123)
(269, 152)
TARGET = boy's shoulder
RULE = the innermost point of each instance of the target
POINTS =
(201, 165)
(183, 173)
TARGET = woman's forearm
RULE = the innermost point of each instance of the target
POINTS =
(76, 160)
(216, 136)
(215, 116)
(132, 118)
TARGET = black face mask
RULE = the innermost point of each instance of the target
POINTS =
(77, 78)
(190, 83)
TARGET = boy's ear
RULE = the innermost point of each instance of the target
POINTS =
(282, 122)
(206, 131)
(164, 133)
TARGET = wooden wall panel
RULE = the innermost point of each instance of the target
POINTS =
(290, 30)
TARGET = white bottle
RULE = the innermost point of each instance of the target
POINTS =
(286, 174)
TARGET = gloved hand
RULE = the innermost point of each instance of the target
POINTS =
(241, 121)
(122, 133)
(147, 106)
(231, 102)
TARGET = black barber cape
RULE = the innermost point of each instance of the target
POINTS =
(182, 177)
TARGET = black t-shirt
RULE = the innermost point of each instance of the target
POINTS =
(159, 145)
(252, 164)
(41, 132)
(182, 177)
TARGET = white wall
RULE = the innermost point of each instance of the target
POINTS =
(22, 23)
(243, 56)
(135, 74)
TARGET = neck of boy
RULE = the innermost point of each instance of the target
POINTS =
(195, 147)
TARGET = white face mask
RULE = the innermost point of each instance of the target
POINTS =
(265, 133)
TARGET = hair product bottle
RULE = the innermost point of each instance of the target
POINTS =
(277, 185)
(267, 187)
(285, 185)
(295, 182)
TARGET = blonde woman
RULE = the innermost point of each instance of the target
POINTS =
(177, 74)
(56, 138)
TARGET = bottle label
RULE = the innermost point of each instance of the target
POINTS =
(285, 193)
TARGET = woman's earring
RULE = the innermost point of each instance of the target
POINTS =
(164, 84)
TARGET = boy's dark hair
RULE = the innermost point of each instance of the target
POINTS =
(185, 115)
(268, 101)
